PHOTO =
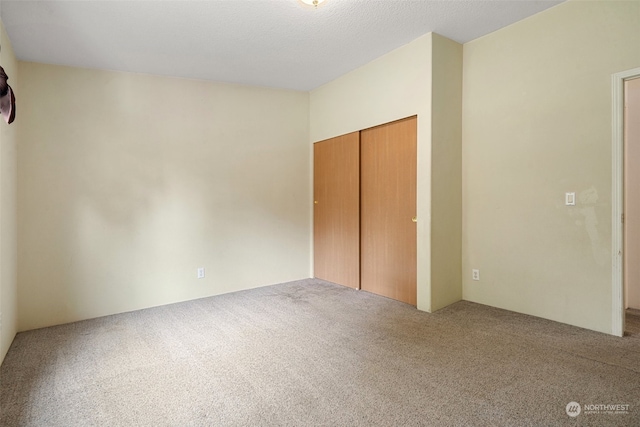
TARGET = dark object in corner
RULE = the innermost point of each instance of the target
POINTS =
(7, 98)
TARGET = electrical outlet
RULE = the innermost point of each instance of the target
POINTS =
(475, 274)
(200, 272)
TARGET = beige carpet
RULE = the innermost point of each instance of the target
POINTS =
(311, 353)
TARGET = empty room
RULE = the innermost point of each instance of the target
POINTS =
(320, 212)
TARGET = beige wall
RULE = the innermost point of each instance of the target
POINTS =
(392, 87)
(8, 248)
(537, 124)
(632, 193)
(446, 173)
(127, 183)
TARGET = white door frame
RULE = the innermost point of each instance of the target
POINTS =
(617, 197)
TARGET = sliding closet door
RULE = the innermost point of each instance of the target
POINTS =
(336, 225)
(388, 207)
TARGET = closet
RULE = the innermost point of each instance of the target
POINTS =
(365, 210)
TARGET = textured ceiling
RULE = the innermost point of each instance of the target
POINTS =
(273, 43)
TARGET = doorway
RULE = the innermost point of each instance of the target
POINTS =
(631, 222)
(622, 220)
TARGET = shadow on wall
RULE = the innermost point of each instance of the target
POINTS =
(589, 200)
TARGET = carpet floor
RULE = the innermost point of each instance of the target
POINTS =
(311, 353)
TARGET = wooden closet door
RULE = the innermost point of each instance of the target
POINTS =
(336, 221)
(388, 207)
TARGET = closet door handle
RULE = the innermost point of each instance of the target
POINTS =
(414, 219)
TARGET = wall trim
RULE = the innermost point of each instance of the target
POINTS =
(617, 196)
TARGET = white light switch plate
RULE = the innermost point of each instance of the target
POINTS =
(570, 199)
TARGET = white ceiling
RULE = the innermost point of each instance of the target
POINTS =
(273, 43)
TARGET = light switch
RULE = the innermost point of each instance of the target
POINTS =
(570, 199)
